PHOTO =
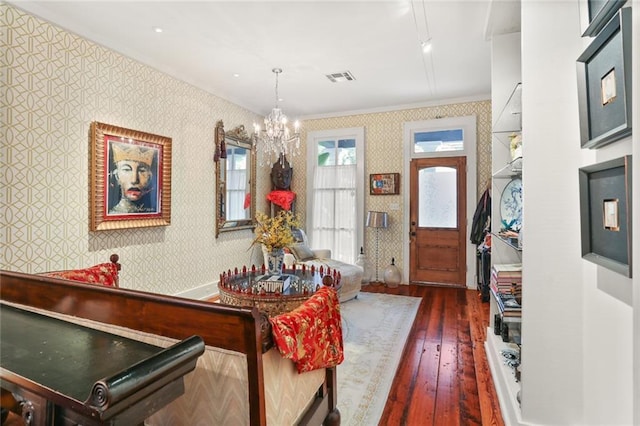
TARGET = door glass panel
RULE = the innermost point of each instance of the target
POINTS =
(438, 141)
(438, 198)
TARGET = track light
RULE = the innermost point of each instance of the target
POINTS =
(426, 46)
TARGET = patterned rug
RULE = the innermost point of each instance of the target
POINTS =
(375, 329)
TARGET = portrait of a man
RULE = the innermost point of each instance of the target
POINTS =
(133, 179)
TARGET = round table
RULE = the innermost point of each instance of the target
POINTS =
(255, 288)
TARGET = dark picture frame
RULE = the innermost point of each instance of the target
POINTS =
(604, 84)
(606, 214)
(594, 14)
(130, 178)
(384, 184)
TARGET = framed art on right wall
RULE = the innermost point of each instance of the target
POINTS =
(605, 214)
(604, 84)
(594, 14)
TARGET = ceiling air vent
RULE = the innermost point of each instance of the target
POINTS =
(340, 77)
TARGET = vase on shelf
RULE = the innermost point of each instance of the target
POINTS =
(275, 260)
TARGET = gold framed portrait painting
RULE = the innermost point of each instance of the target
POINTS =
(130, 178)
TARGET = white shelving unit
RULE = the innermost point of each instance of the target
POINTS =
(504, 250)
(503, 377)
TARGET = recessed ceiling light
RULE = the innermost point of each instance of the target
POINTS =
(426, 46)
(157, 29)
(236, 75)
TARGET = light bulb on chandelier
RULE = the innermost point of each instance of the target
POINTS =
(276, 138)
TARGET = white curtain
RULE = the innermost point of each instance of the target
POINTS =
(334, 216)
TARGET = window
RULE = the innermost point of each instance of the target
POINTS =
(337, 153)
(438, 206)
(336, 192)
(438, 141)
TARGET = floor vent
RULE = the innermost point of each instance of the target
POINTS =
(340, 77)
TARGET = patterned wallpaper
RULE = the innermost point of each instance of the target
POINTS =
(54, 84)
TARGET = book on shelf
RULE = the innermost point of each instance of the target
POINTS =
(505, 286)
(507, 267)
(507, 304)
(506, 271)
(505, 276)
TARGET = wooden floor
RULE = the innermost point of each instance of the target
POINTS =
(443, 377)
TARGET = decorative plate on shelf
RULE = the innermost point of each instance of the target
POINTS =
(511, 205)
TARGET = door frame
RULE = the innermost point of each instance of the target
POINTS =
(469, 128)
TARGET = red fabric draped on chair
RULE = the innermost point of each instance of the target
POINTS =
(311, 334)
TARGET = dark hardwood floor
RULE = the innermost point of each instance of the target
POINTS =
(443, 377)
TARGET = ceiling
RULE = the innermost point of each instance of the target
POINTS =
(229, 48)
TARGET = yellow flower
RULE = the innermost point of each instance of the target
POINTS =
(275, 232)
(516, 141)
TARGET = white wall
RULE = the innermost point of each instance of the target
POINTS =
(577, 356)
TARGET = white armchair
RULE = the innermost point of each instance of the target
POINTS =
(290, 259)
(351, 275)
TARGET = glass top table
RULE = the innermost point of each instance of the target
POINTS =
(272, 293)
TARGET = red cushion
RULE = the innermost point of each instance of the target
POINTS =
(105, 274)
(311, 335)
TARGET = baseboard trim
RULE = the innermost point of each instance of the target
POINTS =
(203, 292)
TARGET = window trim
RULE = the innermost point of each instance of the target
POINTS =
(358, 134)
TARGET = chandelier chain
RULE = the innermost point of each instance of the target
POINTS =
(277, 71)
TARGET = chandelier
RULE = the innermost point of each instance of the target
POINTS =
(276, 139)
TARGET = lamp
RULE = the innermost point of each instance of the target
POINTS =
(275, 138)
(377, 220)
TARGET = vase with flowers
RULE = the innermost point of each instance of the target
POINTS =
(274, 234)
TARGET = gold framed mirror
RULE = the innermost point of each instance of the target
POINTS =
(235, 161)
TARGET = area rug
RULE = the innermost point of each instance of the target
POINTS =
(375, 329)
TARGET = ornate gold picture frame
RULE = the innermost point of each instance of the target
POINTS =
(130, 178)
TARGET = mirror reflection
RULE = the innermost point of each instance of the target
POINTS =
(235, 179)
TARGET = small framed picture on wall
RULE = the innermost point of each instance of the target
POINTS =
(604, 84)
(384, 183)
(594, 14)
(605, 214)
